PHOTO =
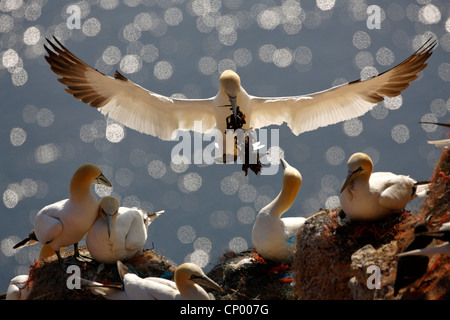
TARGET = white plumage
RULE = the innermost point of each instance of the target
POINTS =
(18, 288)
(372, 196)
(274, 237)
(161, 116)
(118, 233)
(187, 276)
(66, 222)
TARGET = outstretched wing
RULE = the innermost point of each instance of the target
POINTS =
(126, 102)
(340, 103)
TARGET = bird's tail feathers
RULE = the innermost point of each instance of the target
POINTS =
(111, 292)
(153, 216)
(421, 188)
(428, 251)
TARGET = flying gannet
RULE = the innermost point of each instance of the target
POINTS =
(274, 237)
(161, 116)
(188, 278)
(372, 196)
(443, 234)
(18, 288)
(118, 233)
(67, 221)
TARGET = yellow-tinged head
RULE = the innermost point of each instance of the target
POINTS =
(86, 175)
(230, 83)
(92, 174)
(292, 178)
(358, 164)
(189, 273)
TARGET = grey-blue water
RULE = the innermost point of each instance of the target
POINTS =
(279, 48)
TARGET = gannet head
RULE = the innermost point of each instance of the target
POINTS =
(188, 273)
(292, 178)
(92, 173)
(108, 208)
(358, 164)
(83, 177)
(230, 83)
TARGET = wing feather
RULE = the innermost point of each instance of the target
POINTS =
(127, 102)
(339, 103)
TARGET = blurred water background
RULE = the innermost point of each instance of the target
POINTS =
(179, 48)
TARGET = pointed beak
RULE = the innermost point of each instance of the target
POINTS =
(350, 177)
(233, 106)
(207, 282)
(108, 224)
(101, 179)
(284, 163)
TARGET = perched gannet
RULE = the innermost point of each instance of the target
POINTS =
(118, 233)
(274, 237)
(188, 278)
(18, 288)
(371, 196)
(66, 222)
(443, 234)
(161, 116)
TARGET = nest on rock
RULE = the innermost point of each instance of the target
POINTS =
(248, 276)
(49, 282)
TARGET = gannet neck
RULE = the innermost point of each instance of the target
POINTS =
(82, 179)
(230, 83)
(292, 181)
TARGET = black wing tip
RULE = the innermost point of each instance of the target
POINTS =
(428, 46)
(56, 45)
(435, 123)
(55, 39)
(119, 76)
(52, 45)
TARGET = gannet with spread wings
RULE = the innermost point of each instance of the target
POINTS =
(161, 116)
